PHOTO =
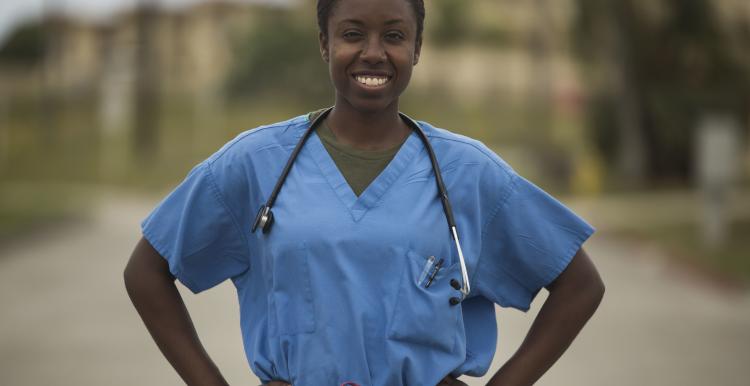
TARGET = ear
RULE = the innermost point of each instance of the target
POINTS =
(417, 51)
(323, 42)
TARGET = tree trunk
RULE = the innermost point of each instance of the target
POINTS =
(146, 84)
(631, 158)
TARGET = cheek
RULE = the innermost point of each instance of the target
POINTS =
(336, 58)
(406, 65)
(337, 70)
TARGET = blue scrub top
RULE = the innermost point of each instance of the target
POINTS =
(336, 293)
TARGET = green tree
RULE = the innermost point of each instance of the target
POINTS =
(653, 76)
(25, 45)
(279, 57)
(453, 23)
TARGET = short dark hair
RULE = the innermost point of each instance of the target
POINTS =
(326, 6)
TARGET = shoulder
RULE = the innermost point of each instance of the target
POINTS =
(452, 148)
(256, 141)
(246, 166)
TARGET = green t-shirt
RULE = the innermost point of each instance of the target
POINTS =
(359, 167)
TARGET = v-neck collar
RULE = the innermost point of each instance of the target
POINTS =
(358, 206)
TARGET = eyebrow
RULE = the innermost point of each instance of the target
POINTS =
(359, 22)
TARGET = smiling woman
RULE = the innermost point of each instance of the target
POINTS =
(352, 272)
(371, 48)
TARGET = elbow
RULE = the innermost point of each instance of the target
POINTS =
(590, 290)
(596, 290)
(590, 282)
(129, 278)
(601, 289)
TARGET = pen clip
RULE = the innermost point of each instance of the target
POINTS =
(428, 266)
(434, 273)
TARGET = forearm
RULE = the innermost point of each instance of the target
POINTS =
(573, 299)
(157, 300)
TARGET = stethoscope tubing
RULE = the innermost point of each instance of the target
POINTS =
(264, 219)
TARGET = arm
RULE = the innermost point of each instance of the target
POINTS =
(573, 297)
(151, 288)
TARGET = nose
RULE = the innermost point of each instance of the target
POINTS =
(374, 51)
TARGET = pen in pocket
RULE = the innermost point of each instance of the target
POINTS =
(426, 270)
(434, 273)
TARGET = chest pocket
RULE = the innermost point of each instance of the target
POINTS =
(423, 314)
(292, 295)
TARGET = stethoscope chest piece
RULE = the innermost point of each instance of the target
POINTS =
(264, 219)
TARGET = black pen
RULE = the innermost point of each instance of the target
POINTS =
(434, 273)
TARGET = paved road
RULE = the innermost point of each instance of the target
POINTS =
(66, 319)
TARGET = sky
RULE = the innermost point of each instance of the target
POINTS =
(16, 12)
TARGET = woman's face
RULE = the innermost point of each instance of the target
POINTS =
(370, 48)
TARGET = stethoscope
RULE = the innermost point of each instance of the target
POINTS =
(264, 219)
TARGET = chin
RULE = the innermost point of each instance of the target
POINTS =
(371, 106)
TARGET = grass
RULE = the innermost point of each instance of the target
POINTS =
(69, 142)
(684, 242)
(76, 150)
(28, 206)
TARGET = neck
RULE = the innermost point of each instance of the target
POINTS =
(376, 130)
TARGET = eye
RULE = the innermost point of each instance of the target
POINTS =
(351, 34)
(394, 35)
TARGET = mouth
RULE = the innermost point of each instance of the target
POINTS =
(372, 80)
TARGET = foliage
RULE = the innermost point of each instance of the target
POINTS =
(453, 25)
(27, 206)
(679, 65)
(279, 57)
(25, 45)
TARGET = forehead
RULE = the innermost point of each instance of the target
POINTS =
(371, 11)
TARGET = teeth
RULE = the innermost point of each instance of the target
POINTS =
(371, 81)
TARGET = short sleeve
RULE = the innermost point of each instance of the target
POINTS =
(529, 240)
(194, 230)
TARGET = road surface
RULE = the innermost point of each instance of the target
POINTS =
(66, 319)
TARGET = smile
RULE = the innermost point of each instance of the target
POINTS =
(372, 80)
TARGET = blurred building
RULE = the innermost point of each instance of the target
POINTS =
(518, 51)
(192, 53)
(514, 55)
(189, 54)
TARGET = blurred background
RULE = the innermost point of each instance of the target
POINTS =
(635, 113)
